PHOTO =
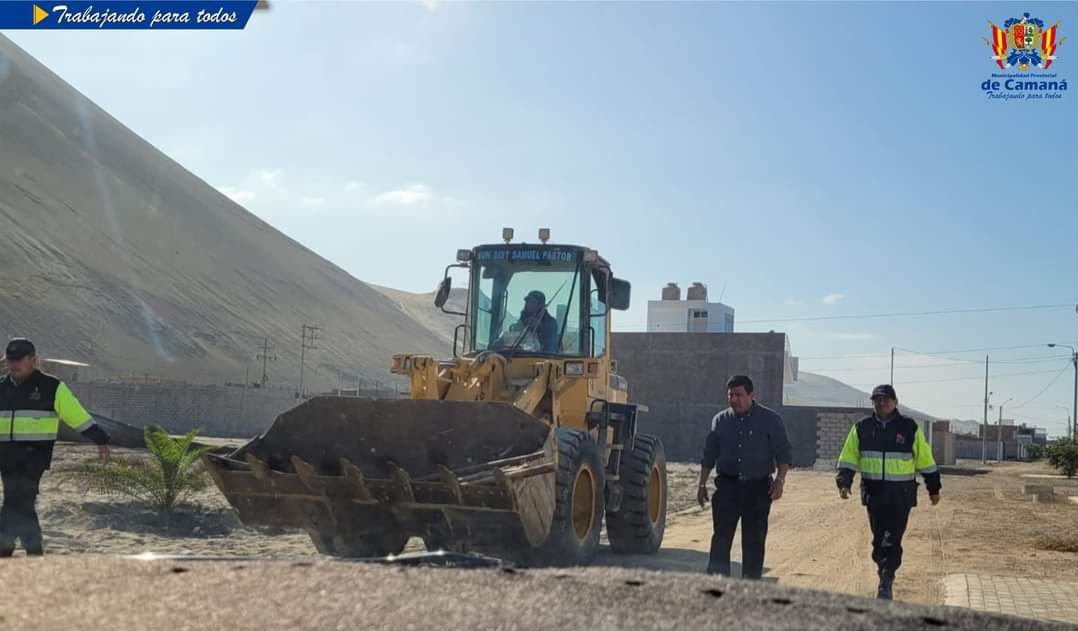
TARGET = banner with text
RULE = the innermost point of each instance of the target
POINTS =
(126, 14)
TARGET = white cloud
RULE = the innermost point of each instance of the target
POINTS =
(831, 299)
(311, 202)
(408, 196)
(853, 336)
(236, 195)
(269, 179)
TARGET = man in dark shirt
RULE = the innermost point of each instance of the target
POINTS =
(746, 442)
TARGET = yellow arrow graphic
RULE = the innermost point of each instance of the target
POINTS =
(39, 14)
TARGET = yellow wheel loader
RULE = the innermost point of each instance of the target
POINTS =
(521, 446)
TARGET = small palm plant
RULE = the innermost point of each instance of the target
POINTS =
(169, 476)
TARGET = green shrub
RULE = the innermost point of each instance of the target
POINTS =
(1063, 455)
(169, 476)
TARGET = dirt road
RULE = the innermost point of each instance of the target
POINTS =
(984, 524)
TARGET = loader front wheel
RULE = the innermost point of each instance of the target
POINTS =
(637, 528)
(361, 547)
(578, 502)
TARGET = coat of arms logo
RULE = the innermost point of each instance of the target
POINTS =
(1024, 43)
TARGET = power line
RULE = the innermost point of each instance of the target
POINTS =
(1045, 389)
(899, 314)
(978, 405)
(931, 353)
(962, 362)
(903, 383)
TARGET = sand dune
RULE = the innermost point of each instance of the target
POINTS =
(116, 255)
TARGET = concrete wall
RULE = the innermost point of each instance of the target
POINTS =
(682, 378)
(695, 366)
(970, 448)
(225, 411)
(943, 447)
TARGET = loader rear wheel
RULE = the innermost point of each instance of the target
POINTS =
(578, 502)
(362, 547)
(637, 528)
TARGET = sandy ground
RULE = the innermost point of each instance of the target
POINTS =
(983, 525)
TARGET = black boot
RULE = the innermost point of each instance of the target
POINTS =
(887, 583)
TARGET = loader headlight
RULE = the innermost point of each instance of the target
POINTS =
(574, 369)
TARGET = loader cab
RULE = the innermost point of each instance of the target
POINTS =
(579, 292)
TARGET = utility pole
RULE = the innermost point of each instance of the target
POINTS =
(984, 425)
(308, 338)
(1074, 404)
(999, 431)
(892, 382)
(265, 357)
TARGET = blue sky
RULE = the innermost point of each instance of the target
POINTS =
(804, 159)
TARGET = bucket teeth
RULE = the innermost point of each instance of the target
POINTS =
(355, 476)
(258, 468)
(304, 470)
(451, 482)
(403, 491)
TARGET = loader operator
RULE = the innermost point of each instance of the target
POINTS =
(536, 320)
(32, 404)
(887, 448)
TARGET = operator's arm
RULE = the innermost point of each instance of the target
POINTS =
(548, 334)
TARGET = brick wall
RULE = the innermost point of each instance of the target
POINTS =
(833, 425)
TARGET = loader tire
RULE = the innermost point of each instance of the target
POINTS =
(363, 547)
(637, 528)
(578, 502)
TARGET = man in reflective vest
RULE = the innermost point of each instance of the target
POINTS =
(32, 405)
(888, 449)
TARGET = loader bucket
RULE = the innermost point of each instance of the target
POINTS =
(364, 475)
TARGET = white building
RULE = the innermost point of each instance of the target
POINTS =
(694, 314)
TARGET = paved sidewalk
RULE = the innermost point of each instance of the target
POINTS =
(1026, 597)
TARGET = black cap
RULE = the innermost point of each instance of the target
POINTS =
(18, 348)
(884, 390)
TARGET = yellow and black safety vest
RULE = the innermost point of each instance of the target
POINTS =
(888, 455)
(31, 412)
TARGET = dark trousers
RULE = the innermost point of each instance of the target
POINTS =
(888, 522)
(750, 502)
(18, 518)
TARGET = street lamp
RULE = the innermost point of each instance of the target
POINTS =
(999, 432)
(1074, 361)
